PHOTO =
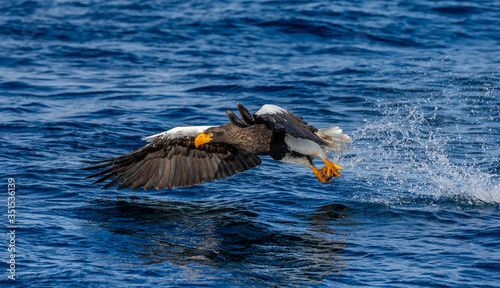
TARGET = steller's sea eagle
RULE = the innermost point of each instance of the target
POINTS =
(185, 156)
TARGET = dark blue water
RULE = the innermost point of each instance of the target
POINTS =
(415, 84)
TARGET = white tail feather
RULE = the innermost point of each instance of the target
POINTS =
(337, 141)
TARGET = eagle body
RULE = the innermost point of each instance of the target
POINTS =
(255, 139)
(186, 156)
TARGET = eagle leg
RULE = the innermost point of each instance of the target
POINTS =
(332, 169)
(320, 174)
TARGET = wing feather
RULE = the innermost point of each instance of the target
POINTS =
(191, 170)
(147, 174)
(212, 164)
(163, 182)
(221, 170)
(105, 178)
(247, 117)
(172, 180)
(183, 171)
(129, 175)
(279, 119)
(157, 175)
(105, 171)
(242, 162)
(141, 178)
(168, 163)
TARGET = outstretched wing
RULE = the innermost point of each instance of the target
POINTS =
(168, 163)
(279, 119)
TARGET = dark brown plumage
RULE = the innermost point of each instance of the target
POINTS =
(255, 139)
(173, 163)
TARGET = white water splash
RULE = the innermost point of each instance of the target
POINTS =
(404, 155)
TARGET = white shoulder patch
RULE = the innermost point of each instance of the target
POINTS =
(178, 132)
(270, 109)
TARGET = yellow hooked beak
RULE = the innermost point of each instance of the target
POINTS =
(202, 139)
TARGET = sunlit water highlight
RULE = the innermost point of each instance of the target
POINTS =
(412, 157)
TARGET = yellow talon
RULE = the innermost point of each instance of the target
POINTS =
(319, 174)
(332, 169)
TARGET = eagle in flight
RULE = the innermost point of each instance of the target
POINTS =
(186, 156)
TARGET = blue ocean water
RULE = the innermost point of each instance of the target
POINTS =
(414, 83)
